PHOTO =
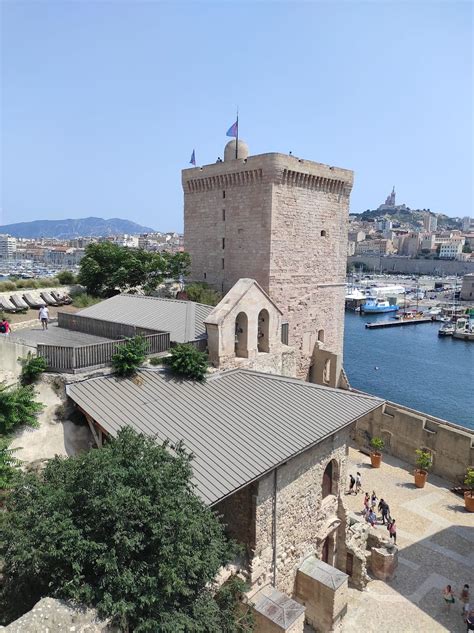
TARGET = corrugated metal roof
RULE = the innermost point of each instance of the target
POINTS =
(239, 424)
(184, 320)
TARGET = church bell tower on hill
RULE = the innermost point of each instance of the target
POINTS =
(282, 221)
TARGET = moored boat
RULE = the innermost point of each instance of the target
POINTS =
(447, 329)
(373, 305)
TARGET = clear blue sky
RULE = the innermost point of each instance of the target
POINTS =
(103, 102)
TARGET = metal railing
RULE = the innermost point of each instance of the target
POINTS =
(70, 359)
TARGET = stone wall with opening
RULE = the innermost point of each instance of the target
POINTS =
(244, 330)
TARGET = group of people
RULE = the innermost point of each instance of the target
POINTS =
(467, 610)
(43, 316)
(371, 505)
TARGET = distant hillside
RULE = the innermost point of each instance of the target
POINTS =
(408, 216)
(68, 229)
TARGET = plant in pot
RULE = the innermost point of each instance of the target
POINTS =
(377, 444)
(469, 493)
(424, 463)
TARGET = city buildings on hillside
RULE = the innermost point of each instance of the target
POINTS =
(7, 248)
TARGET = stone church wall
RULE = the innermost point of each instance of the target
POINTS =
(303, 518)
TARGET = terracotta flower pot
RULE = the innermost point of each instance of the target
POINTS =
(375, 459)
(420, 478)
(469, 500)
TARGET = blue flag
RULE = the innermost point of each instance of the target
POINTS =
(193, 159)
(234, 129)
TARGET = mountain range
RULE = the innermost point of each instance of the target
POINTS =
(409, 216)
(69, 229)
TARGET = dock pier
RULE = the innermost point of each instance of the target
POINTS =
(398, 322)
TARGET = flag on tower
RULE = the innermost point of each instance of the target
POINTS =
(193, 159)
(234, 129)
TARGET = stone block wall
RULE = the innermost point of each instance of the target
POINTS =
(404, 430)
(303, 518)
(285, 226)
(237, 513)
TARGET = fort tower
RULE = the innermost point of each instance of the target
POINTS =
(282, 221)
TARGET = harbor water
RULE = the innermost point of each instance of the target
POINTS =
(413, 366)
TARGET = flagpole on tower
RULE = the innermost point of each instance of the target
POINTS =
(237, 137)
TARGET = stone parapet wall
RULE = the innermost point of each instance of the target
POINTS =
(303, 518)
(404, 430)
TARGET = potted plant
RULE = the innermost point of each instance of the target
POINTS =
(377, 444)
(423, 462)
(469, 493)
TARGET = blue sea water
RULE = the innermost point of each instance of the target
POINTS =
(416, 367)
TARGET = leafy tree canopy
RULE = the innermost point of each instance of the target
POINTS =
(187, 361)
(107, 268)
(202, 293)
(121, 529)
(17, 407)
(66, 277)
(32, 367)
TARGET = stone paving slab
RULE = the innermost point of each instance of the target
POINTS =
(436, 542)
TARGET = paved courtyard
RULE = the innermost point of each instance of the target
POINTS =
(435, 537)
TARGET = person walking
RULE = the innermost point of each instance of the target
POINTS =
(351, 484)
(358, 482)
(464, 598)
(373, 500)
(448, 598)
(384, 510)
(44, 317)
(392, 530)
(366, 503)
(5, 327)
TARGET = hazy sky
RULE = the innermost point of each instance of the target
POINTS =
(103, 102)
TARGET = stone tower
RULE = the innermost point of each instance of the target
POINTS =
(282, 221)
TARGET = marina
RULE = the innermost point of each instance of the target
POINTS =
(412, 366)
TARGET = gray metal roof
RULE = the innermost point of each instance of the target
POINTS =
(184, 320)
(239, 424)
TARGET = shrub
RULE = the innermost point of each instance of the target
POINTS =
(8, 464)
(7, 285)
(129, 356)
(27, 283)
(66, 277)
(48, 282)
(423, 459)
(120, 529)
(202, 293)
(17, 407)
(157, 360)
(31, 368)
(469, 480)
(186, 360)
(84, 300)
(377, 444)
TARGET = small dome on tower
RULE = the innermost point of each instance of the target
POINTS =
(242, 150)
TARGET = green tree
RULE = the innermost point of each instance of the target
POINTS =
(120, 529)
(466, 248)
(17, 407)
(107, 268)
(129, 356)
(202, 293)
(187, 361)
(66, 277)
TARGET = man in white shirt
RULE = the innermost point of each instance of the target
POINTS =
(44, 317)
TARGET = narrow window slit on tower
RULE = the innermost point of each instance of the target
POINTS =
(223, 244)
(222, 263)
(323, 233)
(223, 194)
(223, 215)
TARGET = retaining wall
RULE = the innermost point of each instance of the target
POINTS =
(404, 430)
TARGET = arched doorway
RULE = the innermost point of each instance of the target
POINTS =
(241, 335)
(263, 343)
(330, 479)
